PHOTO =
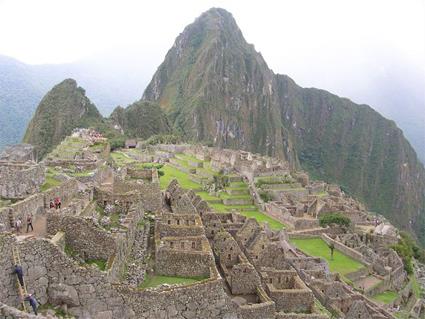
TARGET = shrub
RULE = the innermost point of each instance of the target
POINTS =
(334, 219)
(117, 142)
(266, 197)
(161, 173)
(407, 248)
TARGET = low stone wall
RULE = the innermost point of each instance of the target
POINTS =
(315, 232)
(345, 250)
(378, 288)
(140, 173)
(7, 312)
(356, 275)
(66, 192)
(263, 310)
(31, 205)
(82, 236)
(85, 164)
(281, 315)
(237, 201)
(183, 263)
(57, 279)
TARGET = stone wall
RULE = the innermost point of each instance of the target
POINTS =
(171, 259)
(264, 309)
(66, 192)
(180, 225)
(20, 180)
(82, 236)
(7, 312)
(282, 315)
(345, 250)
(31, 205)
(57, 279)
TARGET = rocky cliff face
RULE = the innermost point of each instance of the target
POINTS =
(62, 109)
(216, 88)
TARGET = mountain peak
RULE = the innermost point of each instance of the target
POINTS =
(62, 109)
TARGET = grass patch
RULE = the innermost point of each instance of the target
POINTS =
(416, 288)
(385, 297)
(225, 195)
(155, 280)
(171, 173)
(238, 185)
(100, 263)
(121, 159)
(317, 247)
(221, 208)
(206, 196)
(263, 218)
(50, 180)
(188, 158)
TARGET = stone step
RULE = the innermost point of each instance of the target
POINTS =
(237, 191)
(235, 179)
(238, 201)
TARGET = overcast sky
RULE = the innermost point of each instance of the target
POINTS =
(286, 32)
(340, 45)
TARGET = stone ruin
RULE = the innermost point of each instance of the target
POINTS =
(20, 175)
(119, 220)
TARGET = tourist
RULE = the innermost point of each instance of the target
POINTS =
(18, 225)
(20, 274)
(51, 204)
(57, 203)
(29, 222)
(33, 302)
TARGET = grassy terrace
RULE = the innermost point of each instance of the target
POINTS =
(50, 180)
(215, 202)
(385, 297)
(155, 280)
(317, 247)
(121, 159)
(171, 173)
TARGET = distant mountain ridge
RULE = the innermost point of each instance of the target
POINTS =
(216, 88)
(22, 87)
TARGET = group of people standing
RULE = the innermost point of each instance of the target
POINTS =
(19, 224)
(56, 203)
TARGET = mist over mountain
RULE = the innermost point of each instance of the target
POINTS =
(107, 83)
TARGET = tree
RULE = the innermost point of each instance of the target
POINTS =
(332, 248)
(334, 219)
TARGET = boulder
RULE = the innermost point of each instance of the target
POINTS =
(63, 294)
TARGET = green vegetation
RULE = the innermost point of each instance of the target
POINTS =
(318, 248)
(406, 248)
(121, 159)
(334, 219)
(100, 263)
(70, 251)
(416, 287)
(263, 218)
(142, 119)
(156, 280)
(58, 311)
(62, 109)
(386, 297)
(266, 197)
(50, 180)
(171, 173)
